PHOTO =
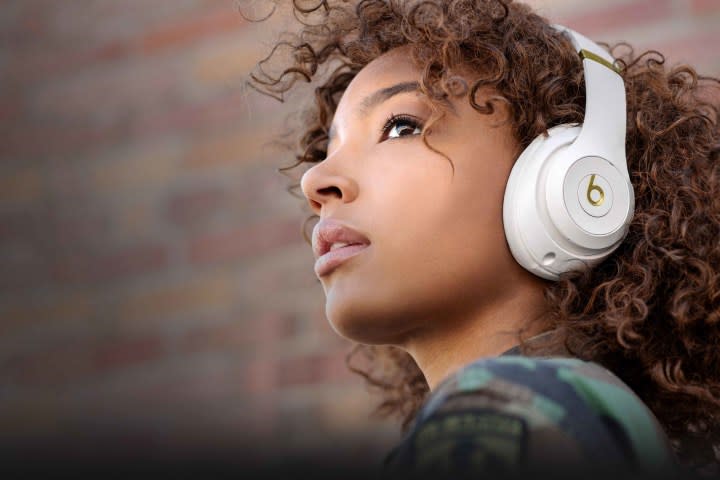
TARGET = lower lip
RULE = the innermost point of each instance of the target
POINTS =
(331, 260)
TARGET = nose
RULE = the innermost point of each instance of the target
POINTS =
(323, 185)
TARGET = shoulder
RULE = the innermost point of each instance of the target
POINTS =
(515, 411)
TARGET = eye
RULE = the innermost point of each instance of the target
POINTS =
(400, 126)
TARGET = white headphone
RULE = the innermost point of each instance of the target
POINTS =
(569, 200)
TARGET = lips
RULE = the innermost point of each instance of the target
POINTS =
(325, 234)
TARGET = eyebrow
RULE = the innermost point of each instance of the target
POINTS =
(379, 96)
(373, 100)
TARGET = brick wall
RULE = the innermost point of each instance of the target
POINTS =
(155, 292)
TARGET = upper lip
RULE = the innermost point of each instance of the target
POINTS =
(328, 231)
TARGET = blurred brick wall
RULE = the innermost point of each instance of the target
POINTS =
(155, 292)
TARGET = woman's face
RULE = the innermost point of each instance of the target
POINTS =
(438, 252)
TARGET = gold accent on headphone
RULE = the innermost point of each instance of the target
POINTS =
(597, 58)
(592, 187)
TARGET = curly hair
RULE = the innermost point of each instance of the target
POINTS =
(650, 312)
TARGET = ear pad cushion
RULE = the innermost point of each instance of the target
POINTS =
(546, 229)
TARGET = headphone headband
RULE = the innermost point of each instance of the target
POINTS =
(603, 132)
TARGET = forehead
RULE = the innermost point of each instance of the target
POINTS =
(389, 74)
(387, 69)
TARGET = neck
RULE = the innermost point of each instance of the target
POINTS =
(468, 336)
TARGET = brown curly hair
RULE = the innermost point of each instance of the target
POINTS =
(651, 311)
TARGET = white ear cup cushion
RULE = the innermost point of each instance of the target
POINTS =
(533, 237)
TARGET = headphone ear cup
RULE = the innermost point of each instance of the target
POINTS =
(525, 223)
(546, 228)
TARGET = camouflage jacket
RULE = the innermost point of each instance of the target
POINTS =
(515, 415)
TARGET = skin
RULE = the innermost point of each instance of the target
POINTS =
(438, 279)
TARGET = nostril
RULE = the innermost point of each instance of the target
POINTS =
(326, 190)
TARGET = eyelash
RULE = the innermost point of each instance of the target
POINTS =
(393, 119)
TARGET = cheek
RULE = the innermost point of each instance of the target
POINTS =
(453, 235)
(438, 235)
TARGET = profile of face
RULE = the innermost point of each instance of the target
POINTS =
(437, 254)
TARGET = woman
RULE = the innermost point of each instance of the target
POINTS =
(497, 363)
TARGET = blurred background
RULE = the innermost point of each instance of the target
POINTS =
(156, 295)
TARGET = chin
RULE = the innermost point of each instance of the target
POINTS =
(360, 323)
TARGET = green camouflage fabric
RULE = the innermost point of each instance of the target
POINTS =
(513, 414)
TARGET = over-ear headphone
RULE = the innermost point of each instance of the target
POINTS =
(569, 200)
